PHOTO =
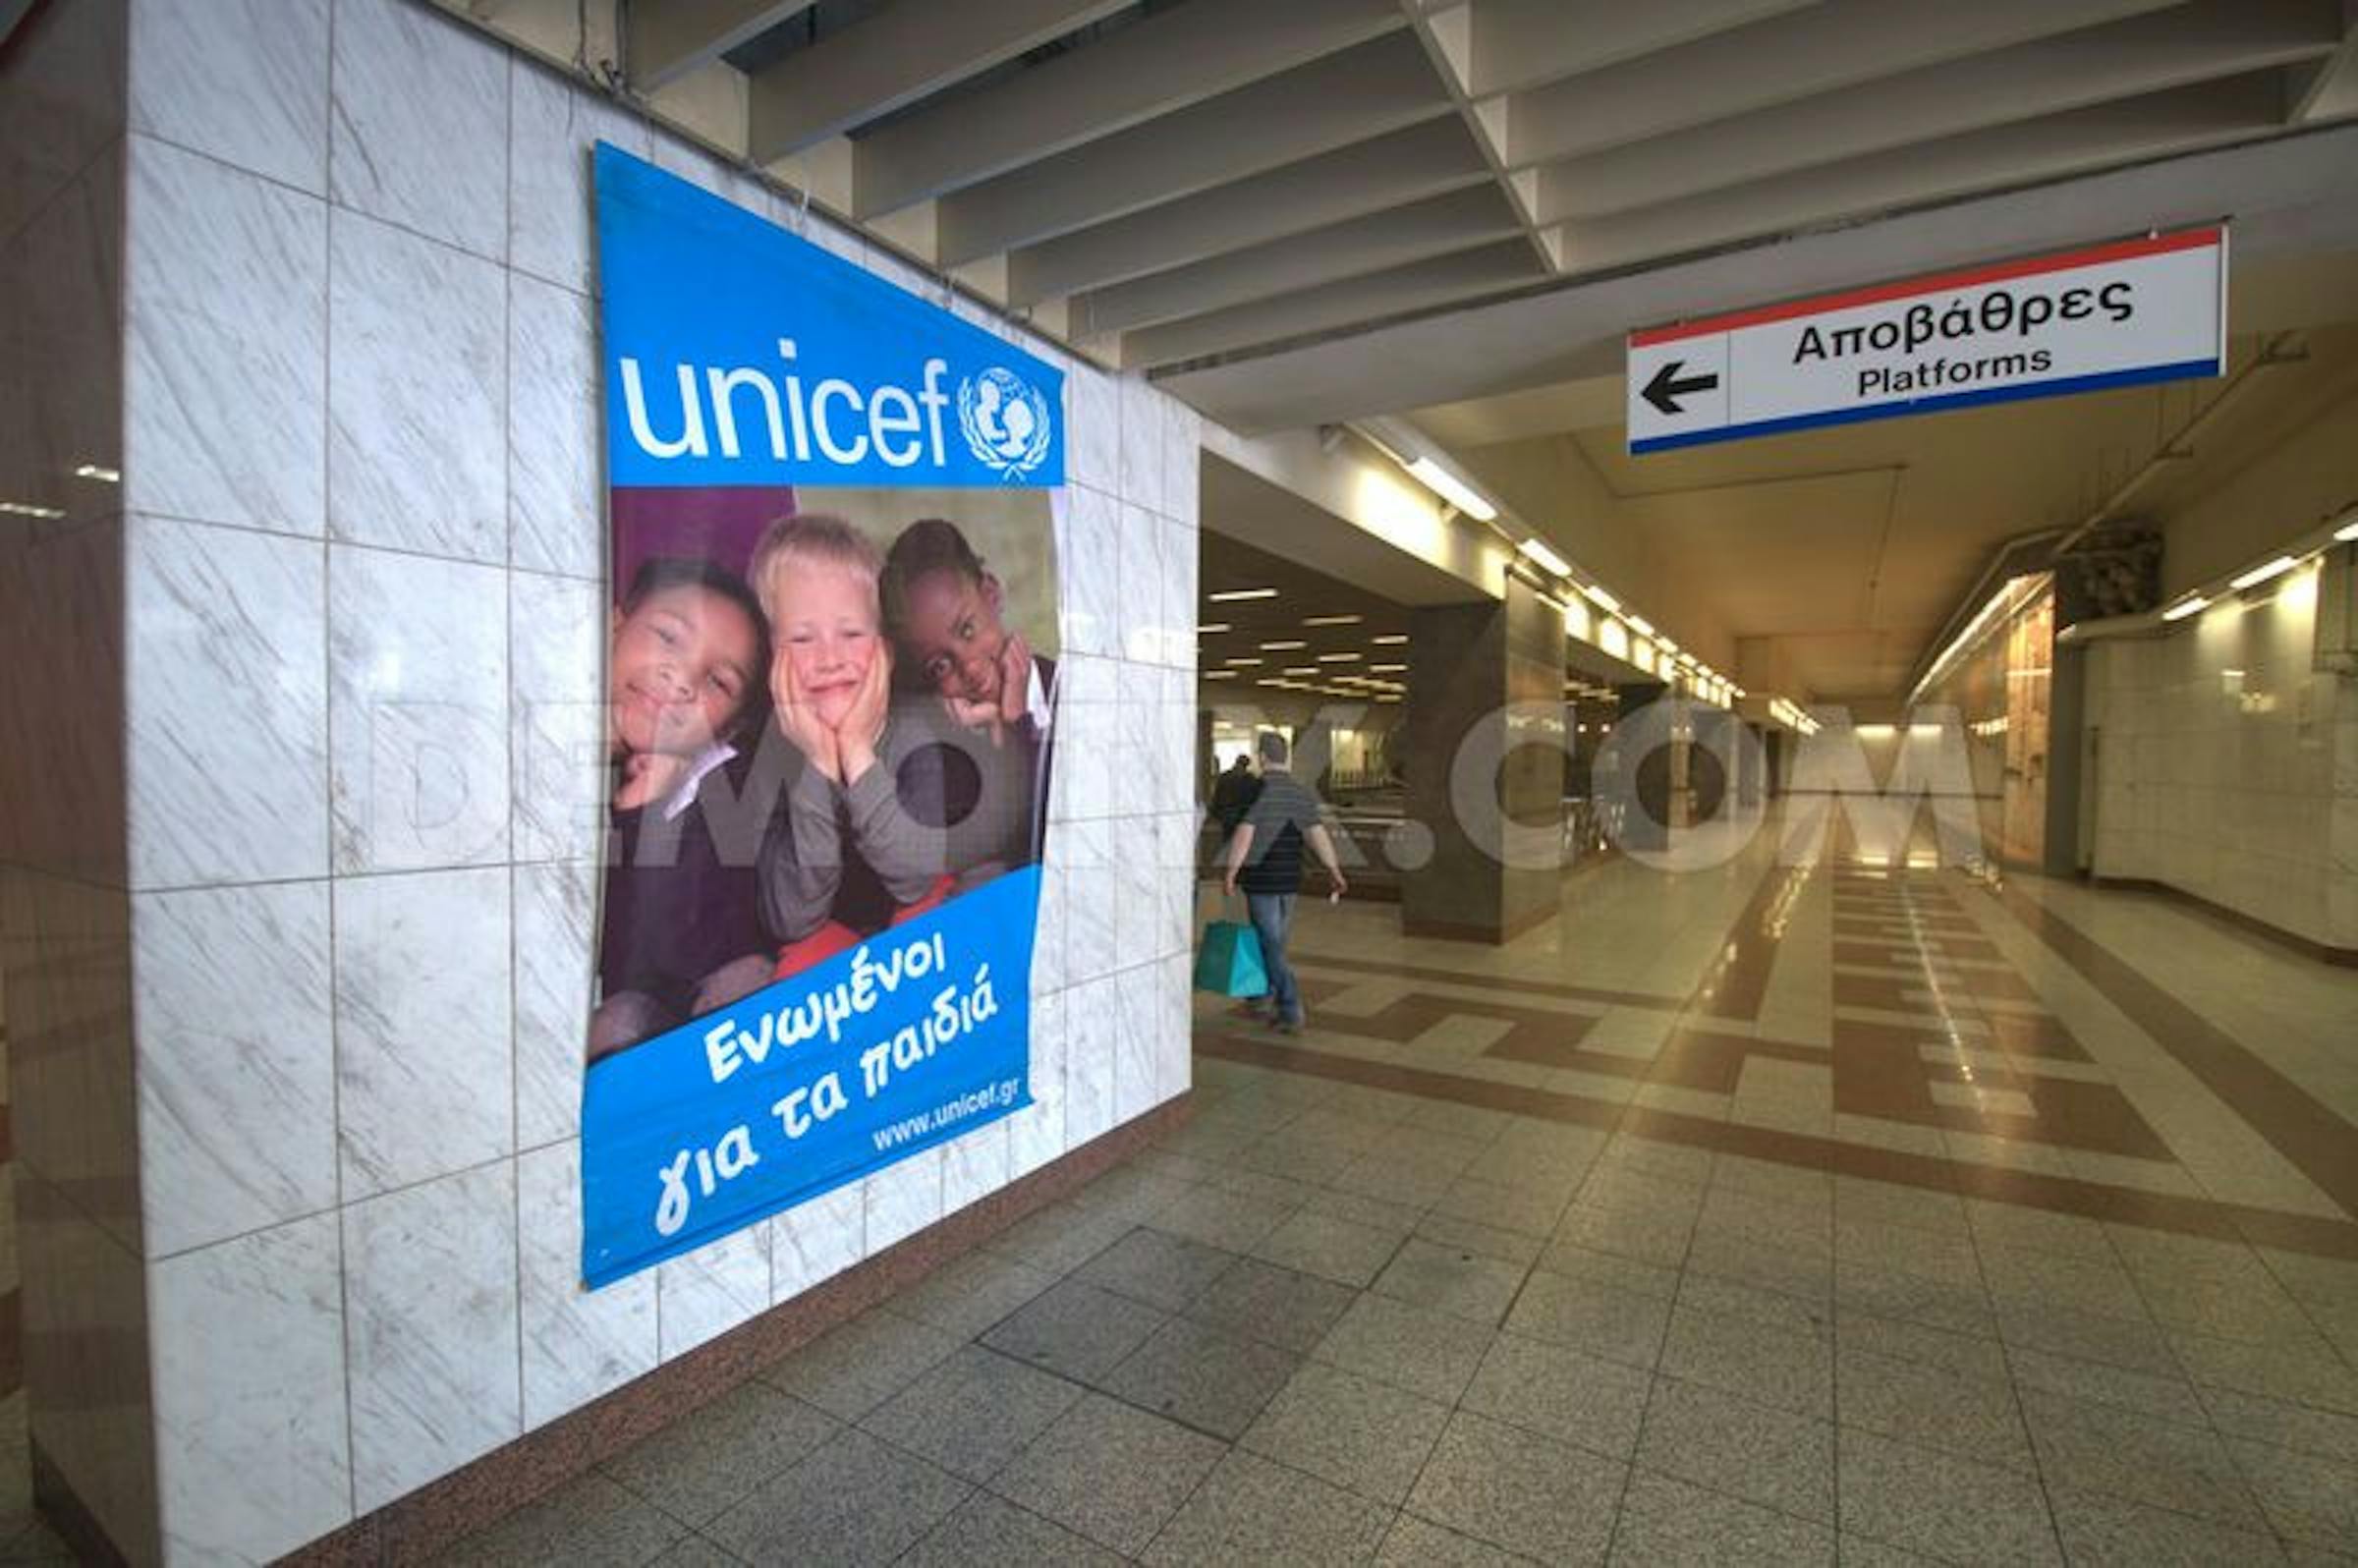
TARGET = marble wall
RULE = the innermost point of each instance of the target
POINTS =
(2226, 763)
(363, 579)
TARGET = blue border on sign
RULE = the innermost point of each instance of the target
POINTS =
(2179, 370)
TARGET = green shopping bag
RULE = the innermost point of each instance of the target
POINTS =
(1229, 963)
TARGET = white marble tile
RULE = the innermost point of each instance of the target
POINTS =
(1085, 760)
(417, 658)
(424, 1068)
(903, 1198)
(556, 483)
(1141, 626)
(814, 1241)
(419, 132)
(1093, 432)
(432, 1347)
(1092, 891)
(237, 1074)
(699, 168)
(1137, 1064)
(225, 357)
(556, 952)
(1182, 461)
(556, 654)
(1049, 926)
(1137, 904)
(1181, 569)
(704, 1294)
(1176, 835)
(1089, 569)
(253, 1456)
(227, 697)
(1090, 1043)
(974, 1166)
(555, 123)
(577, 1343)
(1035, 1134)
(1177, 766)
(1174, 1028)
(1142, 443)
(417, 394)
(241, 80)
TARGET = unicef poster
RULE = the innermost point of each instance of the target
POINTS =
(830, 702)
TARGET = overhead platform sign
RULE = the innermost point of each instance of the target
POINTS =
(2149, 310)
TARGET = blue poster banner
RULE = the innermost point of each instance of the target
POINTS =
(828, 722)
(918, 1036)
(737, 353)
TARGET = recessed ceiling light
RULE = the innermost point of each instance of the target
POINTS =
(1231, 595)
(1302, 669)
(1386, 669)
(27, 509)
(1241, 661)
(1219, 675)
(1281, 646)
(1211, 626)
(1391, 638)
(1338, 659)
(1330, 620)
(92, 471)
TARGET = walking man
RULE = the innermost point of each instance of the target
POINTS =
(1265, 858)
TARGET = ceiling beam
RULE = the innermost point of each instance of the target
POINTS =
(2080, 139)
(1165, 63)
(1381, 85)
(665, 41)
(1517, 44)
(2196, 43)
(1435, 226)
(1421, 285)
(1826, 49)
(1387, 171)
(901, 54)
(2329, 90)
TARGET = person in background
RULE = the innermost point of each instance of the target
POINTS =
(1264, 858)
(1233, 794)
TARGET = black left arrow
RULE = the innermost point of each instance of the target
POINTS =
(1666, 386)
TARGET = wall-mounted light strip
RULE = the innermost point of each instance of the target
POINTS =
(2185, 608)
(1546, 559)
(2261, 573)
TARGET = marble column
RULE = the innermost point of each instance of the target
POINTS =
(1485, 765)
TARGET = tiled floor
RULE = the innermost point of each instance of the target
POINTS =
(1768, 1214)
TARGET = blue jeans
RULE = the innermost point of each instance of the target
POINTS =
(1272, 916)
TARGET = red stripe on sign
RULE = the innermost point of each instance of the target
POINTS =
(1964, 278)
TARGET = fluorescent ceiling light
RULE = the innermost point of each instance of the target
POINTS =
(1640, 625)
(1391, 638)
(2194, 605)
(1219, 675)
(1211, 626)
(2347, 531)
(1386, 669)
(1330, 620)
(1281, 646)
(1452, 489)
(1231, 595)
(1874, 731)
(1338, 659)
(1924, 729)
(2261, 573)
(1243, 660)
(92, 471)
(1546, 559)
(1604, 600)
(27, 509)
(1300, 669)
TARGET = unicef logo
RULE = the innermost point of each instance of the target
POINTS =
(1005, 421)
